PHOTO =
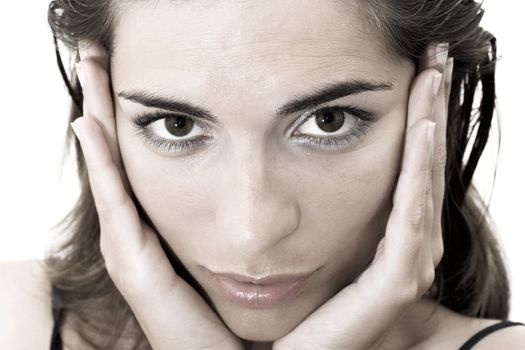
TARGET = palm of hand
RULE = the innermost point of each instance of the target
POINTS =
(403, 268)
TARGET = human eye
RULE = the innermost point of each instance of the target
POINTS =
(172, 132)
(334, 126)
(175, 133)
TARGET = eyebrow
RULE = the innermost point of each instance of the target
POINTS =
(326, 93)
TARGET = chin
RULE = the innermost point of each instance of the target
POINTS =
(260, 335)
(266, 331)
(268, 325)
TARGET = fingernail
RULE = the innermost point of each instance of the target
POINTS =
(442, 53)
(436, 83)
(80, 73)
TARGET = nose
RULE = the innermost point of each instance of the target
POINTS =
(256, 210)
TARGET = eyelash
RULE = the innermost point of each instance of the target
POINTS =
(142, 122)
(364, 121)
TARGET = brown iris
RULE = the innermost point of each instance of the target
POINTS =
(178, 125)
(330, 120)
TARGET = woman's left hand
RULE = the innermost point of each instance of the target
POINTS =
(361, 314)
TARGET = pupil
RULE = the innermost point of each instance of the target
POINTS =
(330, 121)
(178, 126)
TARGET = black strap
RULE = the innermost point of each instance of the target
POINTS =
(56, 339)
(476, 338)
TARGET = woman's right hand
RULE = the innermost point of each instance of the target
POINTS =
(170, 312)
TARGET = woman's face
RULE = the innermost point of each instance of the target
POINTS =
(258, 194)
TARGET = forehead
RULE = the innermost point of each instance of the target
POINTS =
(228, 43)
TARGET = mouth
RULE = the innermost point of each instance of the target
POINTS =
(259, 293)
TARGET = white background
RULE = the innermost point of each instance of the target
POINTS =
(35, 193)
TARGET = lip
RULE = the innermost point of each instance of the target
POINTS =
(259, 293)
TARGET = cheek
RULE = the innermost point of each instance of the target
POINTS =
(347, 210)
(168, 191)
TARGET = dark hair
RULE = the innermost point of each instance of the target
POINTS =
(471, 278)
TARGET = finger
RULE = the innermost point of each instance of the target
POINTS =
(423, 92)
(98, 104)
(439, 60)
(405, 266)
(448, 79)
(94, 50)
(408, 228)
(114, 206)
(434, 56)
(440, 160)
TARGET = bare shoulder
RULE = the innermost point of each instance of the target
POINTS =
(25, 321)
(456, 329)
(509, 338)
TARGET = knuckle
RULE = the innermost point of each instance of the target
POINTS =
(427, 279)
(98, 172)
(107, 251)
(104, 212)
(437, 252)
(110, 213)
(110, 264)
(123, 277)
(408, 293)
(104, 249)
(104, 215)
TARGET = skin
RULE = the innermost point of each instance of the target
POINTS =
(255, 217)
(258, 199)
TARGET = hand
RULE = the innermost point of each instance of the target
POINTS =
(359, 316)
(170, 312)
